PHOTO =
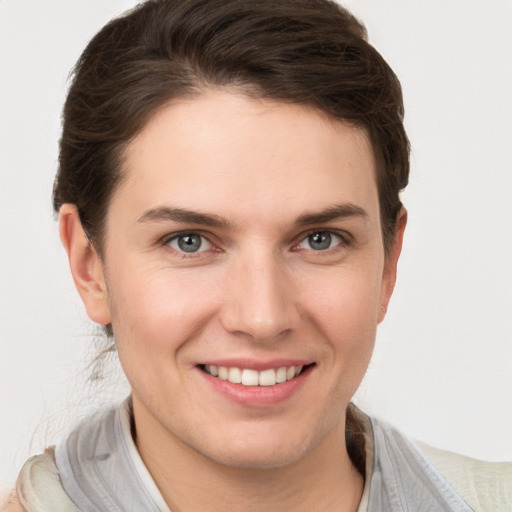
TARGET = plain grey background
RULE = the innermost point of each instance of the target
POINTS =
(442, 370)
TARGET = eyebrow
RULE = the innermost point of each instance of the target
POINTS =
(166, 214)
(336, 212)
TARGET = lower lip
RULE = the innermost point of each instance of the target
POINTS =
(258, 396)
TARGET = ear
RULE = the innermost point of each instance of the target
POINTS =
(390, 264)
(85, 264)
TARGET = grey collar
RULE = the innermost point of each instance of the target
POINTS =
(101, 470)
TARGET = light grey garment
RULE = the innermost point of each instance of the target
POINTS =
(101, 470)
(403, 479)
(100, 474)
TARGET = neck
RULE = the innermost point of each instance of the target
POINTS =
(323, 480)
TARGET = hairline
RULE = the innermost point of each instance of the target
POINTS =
(247, 90)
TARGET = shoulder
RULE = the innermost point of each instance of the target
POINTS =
(486, 486)
(460, 480)
(12, 504)
(39, 488)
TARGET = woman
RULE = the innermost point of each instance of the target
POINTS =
(228, 197)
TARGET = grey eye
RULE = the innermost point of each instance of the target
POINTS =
(189, 242)
(320, 241)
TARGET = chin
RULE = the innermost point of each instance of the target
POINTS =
(258, 450)
(258, 459)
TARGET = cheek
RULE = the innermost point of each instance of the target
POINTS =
(345, 311)
(346, 302)
(153, 317)
(156, 310)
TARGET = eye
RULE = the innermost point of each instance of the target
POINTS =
(320, 241)
(189, 243)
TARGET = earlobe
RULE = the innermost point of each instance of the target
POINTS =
(85, 264)
(390, 265)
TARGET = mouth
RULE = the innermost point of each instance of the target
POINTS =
(254, 378)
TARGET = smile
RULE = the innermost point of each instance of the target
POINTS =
(249, 377)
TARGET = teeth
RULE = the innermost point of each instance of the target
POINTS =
(281, 374)
(249, 377)
(267, 378)
(235, 375)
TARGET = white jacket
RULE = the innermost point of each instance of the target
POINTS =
(401, 475)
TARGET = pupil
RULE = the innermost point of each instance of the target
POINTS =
(319, 241)
(189, 243)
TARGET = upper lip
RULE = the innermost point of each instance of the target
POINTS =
(258, 365)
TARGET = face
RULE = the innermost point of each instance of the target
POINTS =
(245, 274)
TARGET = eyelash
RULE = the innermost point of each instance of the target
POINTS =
(166, 241)
(345, 240)
(344, 237)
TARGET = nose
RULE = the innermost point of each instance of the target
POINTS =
(259, 300)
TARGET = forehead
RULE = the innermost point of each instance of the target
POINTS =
(233, 155)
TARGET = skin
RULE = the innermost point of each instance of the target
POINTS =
(11, 503)
(256, 290)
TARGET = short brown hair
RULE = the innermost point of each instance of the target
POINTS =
(311, 52)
